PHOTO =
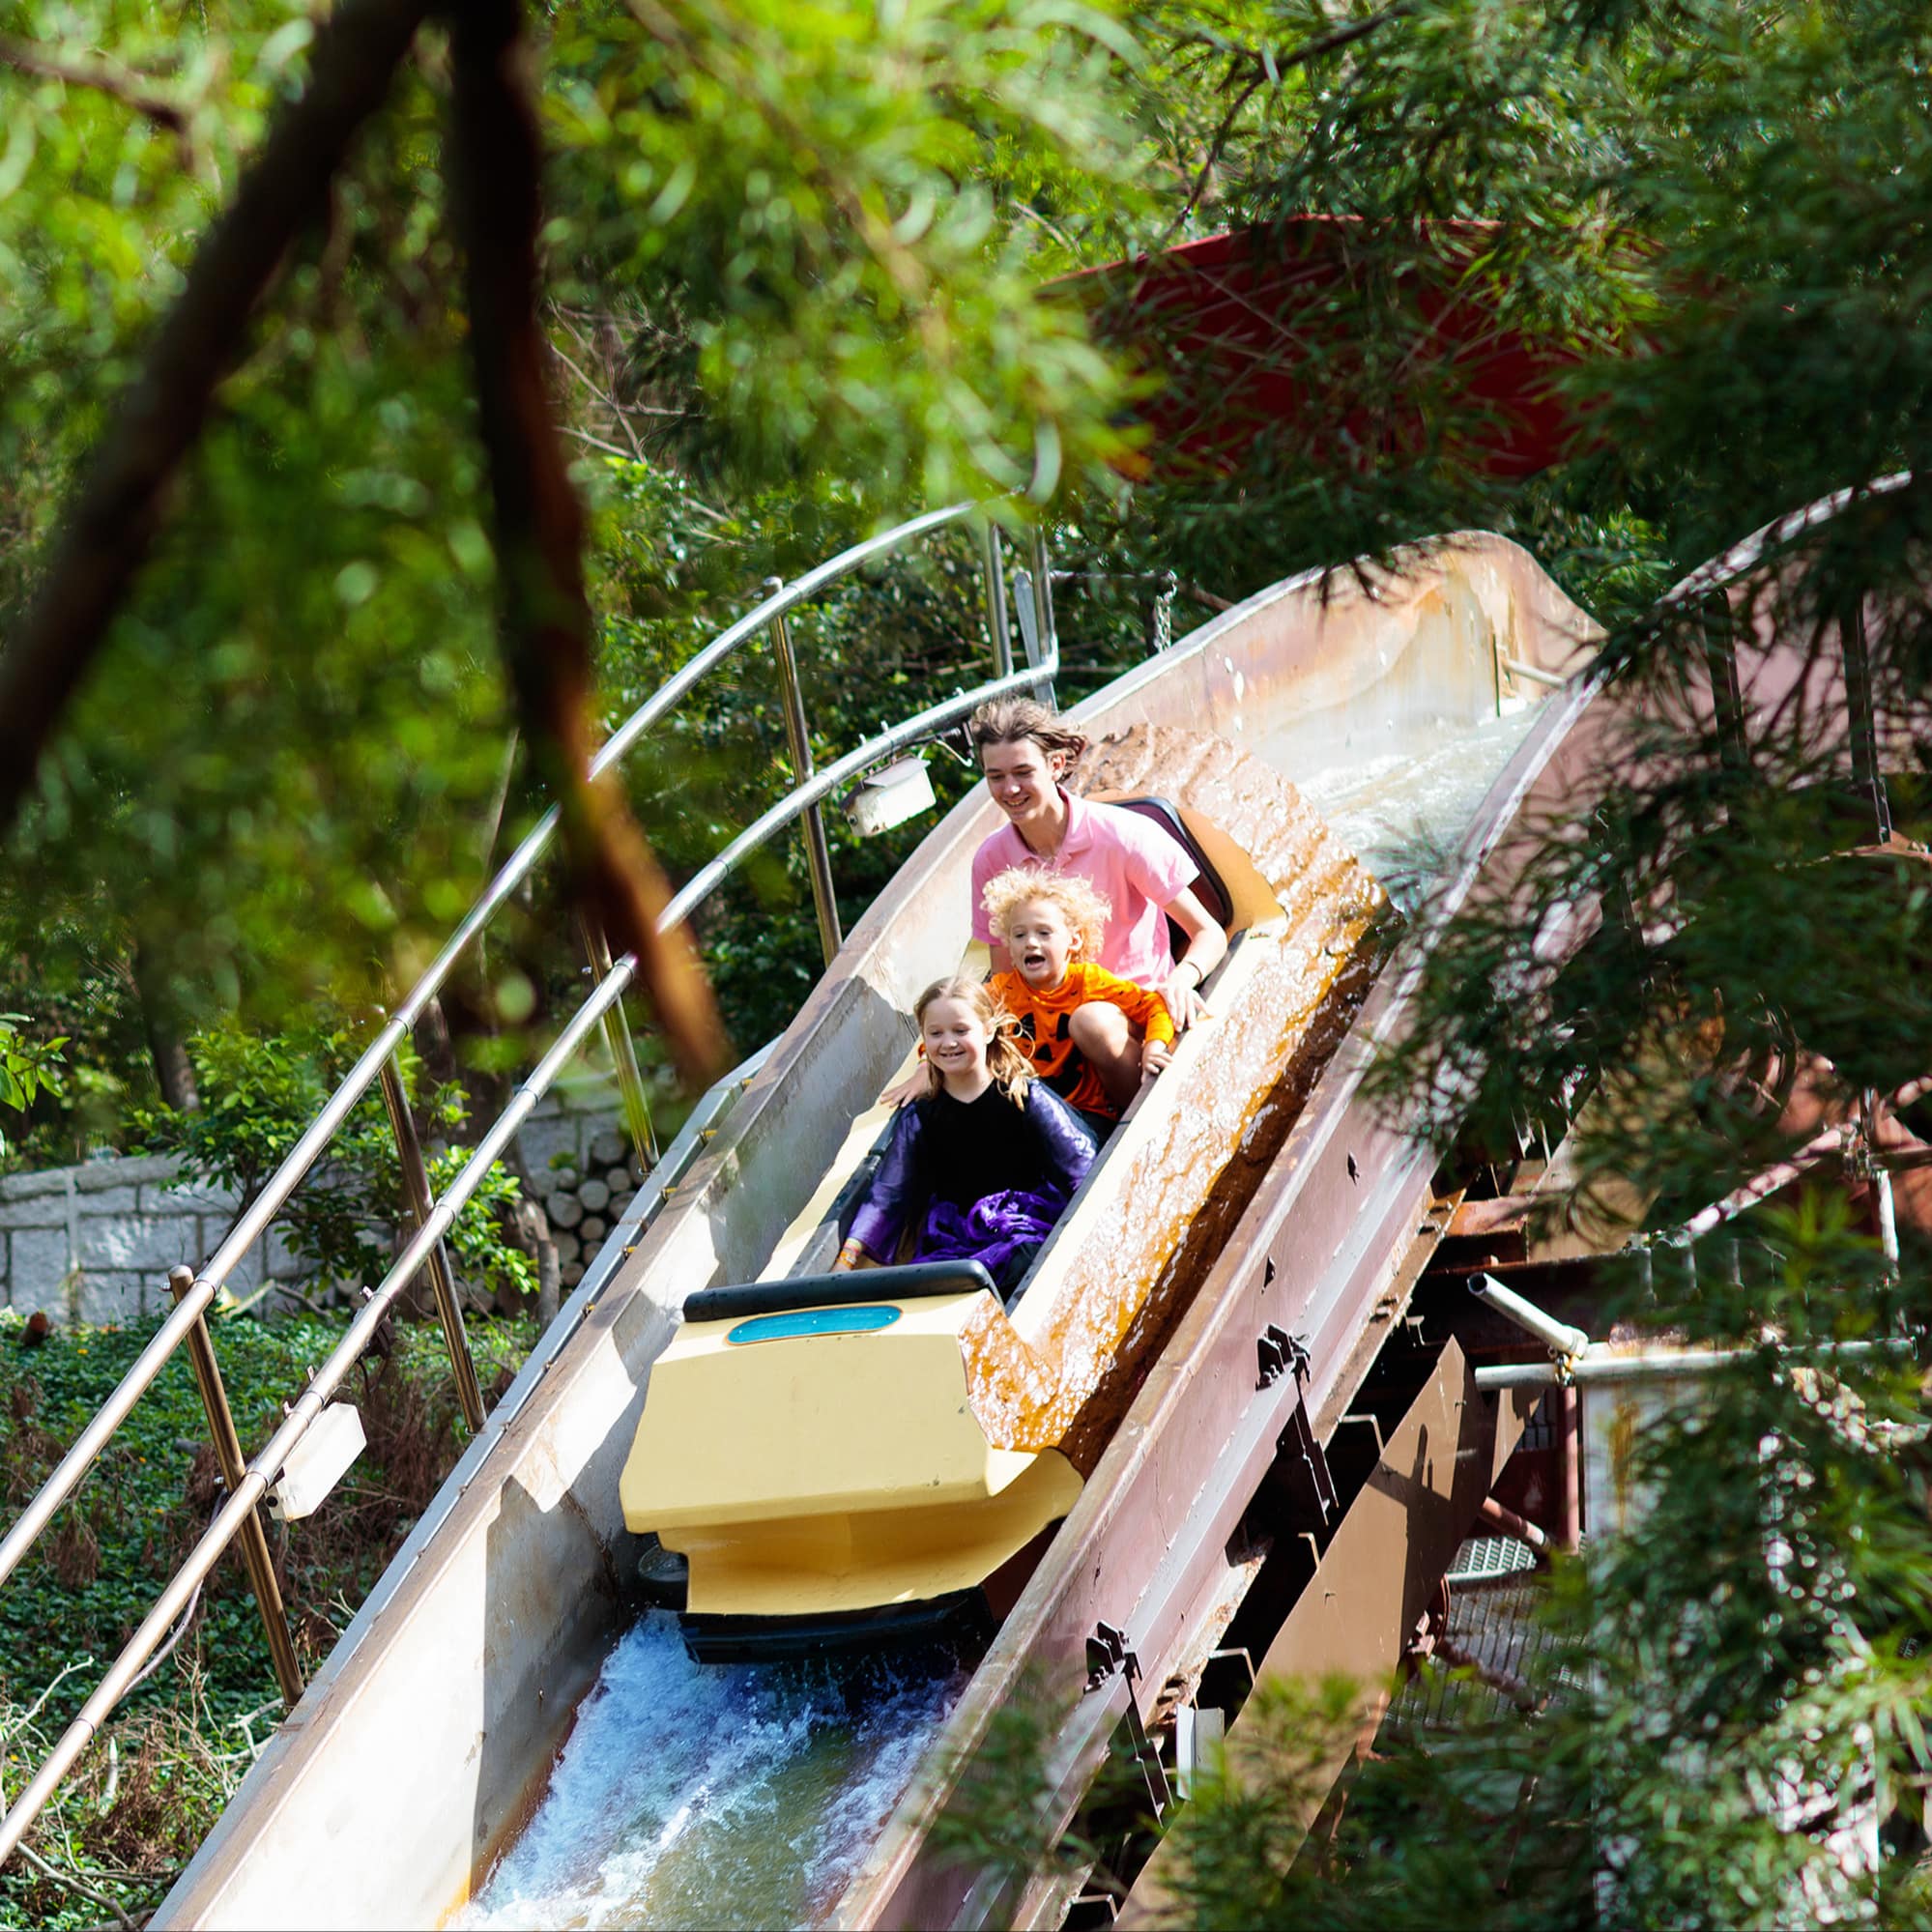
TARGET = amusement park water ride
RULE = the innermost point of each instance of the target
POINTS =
(1176, 1446)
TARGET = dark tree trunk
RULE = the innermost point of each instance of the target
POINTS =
(174, 1072)
(495, 164)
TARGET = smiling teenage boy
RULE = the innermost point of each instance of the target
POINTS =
(1145, 877)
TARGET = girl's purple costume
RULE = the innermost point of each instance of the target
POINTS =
(985, 1180)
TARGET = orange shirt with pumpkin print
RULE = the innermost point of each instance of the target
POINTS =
(1046, 1027)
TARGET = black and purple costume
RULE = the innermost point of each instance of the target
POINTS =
(985, 1179)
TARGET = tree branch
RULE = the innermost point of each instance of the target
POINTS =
(130, 88)
(494, 169)
(112, 523)
(1215, 142)
(1264, 67)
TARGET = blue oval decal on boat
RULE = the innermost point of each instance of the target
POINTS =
(814, 1321)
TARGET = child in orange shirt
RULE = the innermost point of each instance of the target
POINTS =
(1093, 1036)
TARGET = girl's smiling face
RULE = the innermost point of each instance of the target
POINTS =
(1022, 778)
(1040, 942)
(955, 1040)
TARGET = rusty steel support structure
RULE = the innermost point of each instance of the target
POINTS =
(1376, 1579)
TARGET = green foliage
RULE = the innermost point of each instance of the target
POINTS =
(802, 180)
(76, 982)
(263, 1092)
(1000, 1818)
(28, 1066)
(182, 1738)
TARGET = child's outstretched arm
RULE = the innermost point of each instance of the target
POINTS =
(1149, 1012)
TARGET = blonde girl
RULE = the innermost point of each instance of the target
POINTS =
(1006, 1061)
(975, 1181)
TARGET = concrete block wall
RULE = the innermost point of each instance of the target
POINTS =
(94, 1244)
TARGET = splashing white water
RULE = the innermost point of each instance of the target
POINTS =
(715, 1794)
(1401, 810)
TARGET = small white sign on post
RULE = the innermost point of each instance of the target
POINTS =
(318, 1461)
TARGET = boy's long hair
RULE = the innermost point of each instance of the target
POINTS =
(1005, 1057)
(1082, 904)
(1011, 720)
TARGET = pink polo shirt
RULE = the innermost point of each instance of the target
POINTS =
(1135, 865)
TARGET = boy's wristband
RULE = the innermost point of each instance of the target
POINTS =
(855, 1249)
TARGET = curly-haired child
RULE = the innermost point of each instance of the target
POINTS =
(1093, 1036)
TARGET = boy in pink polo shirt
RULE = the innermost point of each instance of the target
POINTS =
(1145, 877)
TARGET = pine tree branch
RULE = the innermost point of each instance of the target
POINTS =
(495, 166)
(112, 523)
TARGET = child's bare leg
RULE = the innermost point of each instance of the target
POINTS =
(1106, 1036)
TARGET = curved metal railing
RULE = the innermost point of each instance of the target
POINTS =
(249, 1484)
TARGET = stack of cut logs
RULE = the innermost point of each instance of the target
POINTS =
(583, 1203)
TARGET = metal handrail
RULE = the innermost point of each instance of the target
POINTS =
(823, 783)
(255, 1219)
(267, 1464)
(265, 1467)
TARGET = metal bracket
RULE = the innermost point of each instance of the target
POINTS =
(1276, 1352)
(1108, 1652)
(1105, 1653)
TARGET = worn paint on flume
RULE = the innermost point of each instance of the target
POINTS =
(410, 1767)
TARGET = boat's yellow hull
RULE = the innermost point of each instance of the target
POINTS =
(806, 1473)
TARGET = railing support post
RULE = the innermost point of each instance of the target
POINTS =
(818, 853)
(1861, 713)
(997, 625)
(255, 1554)
(1045, 643)
(622, 1050)
(418, 1203)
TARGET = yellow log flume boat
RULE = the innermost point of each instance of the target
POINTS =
(841, 1457)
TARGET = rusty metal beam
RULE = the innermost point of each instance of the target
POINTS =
(1356, 1614)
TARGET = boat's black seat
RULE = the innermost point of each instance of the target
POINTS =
(1208, 888)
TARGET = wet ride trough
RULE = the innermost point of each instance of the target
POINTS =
(1222, 1300)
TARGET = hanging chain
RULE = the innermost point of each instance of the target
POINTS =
(1163, 611)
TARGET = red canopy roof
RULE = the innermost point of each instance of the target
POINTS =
(1236, 325)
